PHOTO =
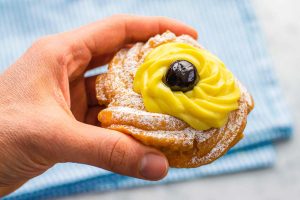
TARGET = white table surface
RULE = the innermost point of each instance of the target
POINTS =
(280, 21)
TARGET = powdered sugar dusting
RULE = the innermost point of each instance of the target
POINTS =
(144, 119)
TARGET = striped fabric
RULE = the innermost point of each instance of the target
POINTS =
(227, 28)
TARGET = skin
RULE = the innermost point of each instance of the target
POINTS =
(49, 110)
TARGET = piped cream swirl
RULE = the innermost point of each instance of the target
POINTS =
(207, 105)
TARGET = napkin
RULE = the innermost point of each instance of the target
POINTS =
(228, 29)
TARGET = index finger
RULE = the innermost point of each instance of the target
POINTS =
(112, 33)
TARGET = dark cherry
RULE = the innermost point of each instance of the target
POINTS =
(181, 76)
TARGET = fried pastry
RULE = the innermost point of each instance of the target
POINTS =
(172, 94)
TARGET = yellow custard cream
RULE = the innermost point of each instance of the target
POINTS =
(207, 105)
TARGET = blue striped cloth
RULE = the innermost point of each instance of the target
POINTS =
(227, 28)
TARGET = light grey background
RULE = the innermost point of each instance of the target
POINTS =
(280, 21)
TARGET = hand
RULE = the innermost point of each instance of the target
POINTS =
(49, 111)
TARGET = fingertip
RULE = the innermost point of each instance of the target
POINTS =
(154, 166)
(194, 33)
(177, 27)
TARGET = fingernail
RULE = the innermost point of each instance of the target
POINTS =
(153, 166)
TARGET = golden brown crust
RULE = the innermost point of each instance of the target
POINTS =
(182, 145)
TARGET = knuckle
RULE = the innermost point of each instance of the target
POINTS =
(46, 48)
(61, 49)
(118, 154)
(42, 43)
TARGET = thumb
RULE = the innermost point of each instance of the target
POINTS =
(111, 150)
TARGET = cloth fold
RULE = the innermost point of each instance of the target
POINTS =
(227, 28)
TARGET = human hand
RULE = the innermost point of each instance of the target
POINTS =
(49, 110)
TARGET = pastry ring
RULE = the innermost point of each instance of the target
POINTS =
(193, 121)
